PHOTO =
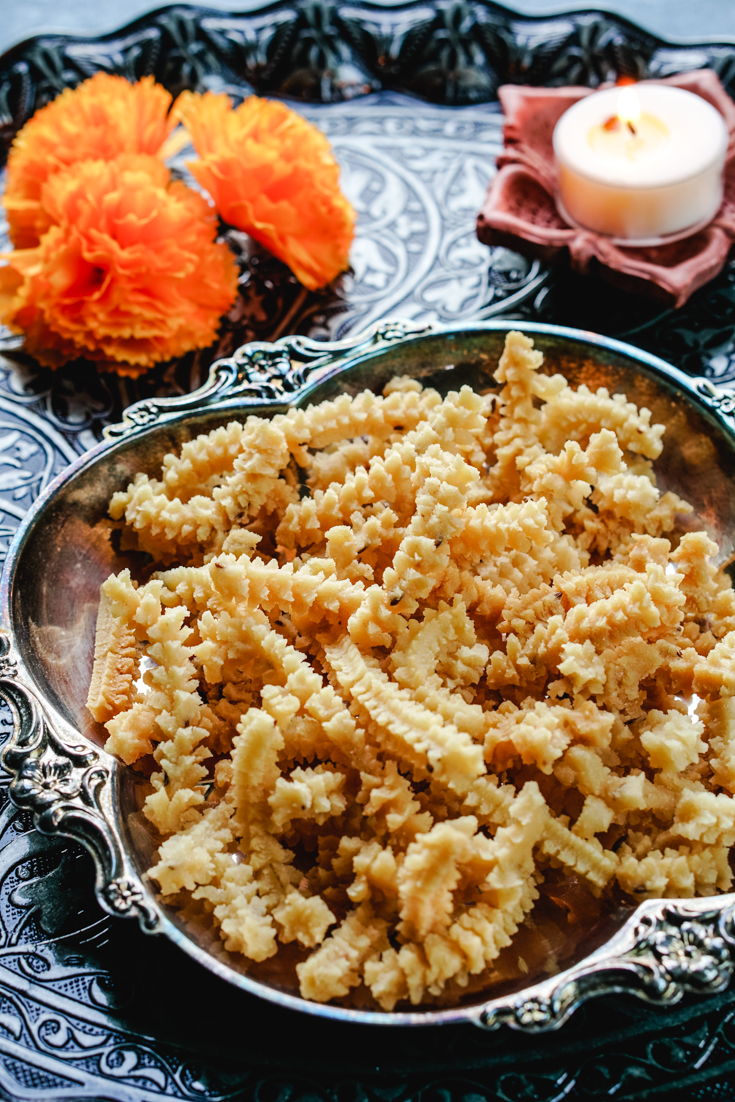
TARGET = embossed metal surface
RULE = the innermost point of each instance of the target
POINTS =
(63, 551)
(89, 1006)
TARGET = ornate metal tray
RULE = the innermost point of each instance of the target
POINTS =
(62, 551)
(89, 1006)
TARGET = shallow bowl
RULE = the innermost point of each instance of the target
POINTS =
(65, 548)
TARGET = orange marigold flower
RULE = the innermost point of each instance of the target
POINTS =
(272, 174)
(128, 272)
(98, 120)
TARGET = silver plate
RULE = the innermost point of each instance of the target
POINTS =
(62, 552)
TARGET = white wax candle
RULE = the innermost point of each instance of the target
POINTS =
(640, 163)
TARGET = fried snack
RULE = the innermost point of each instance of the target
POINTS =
(417, 673)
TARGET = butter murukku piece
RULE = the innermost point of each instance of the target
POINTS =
(364, 436)
(308, 593)
(221, 716)
(594, 818)
(699, 581)
(239, 911)
(566, 480)
(388, 800)
(537, 735)
(626, 496)
(186, 859)
(379, 619)
(595, 583)
(518, 572)
(628, 793)
(244, 894)
(585, 857)
(516, 441)
(376, 871)
(165, 527)
(513, 847)
(131, 733)
(721, 723)
(445, 642)
(305, 919)
(489, 531)
(643, 549)
(523, 611)
(203, 462)
(226, 647)
(466, 948)
(629, 665)
(121, 499)
(422, 739)
(429, 875)
(455, 425)
(527, 664)
(609, 533)
(240, 542)
(583, 669)
(479, 934)
(423, 555)
(326, 467)
(583, 768)
(202, 459)
(311, 793)
(138, 605)
(304, 524)
(334, 732)
(647, 606)
(715, 674)
(367, 414)
(379, 536)
(257, 472)
(273, 865)
(672, 740)
(255, 765)
(458, 425)
(115, 668)
(175, 706)
(463, 668)
(664, 516)
(336, 966)
(575, 414)
(489, 801)
(705, 817)
(677, 873)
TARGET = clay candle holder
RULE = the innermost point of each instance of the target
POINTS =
(520, 210)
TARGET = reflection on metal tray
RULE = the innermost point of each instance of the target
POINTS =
(90, 1007)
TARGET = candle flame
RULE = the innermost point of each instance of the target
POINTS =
(629, 109)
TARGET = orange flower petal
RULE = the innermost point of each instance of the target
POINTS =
(128, 272)
(98, 120)
(272, 174)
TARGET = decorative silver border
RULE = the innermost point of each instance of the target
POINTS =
(67, 786)
(665, 949)
(262, 373)
(719, 398)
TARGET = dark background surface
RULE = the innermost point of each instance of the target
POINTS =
(682, 19)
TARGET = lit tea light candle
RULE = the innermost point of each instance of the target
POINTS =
(640, 163)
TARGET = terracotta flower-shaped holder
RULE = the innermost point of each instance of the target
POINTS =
(520, 211)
